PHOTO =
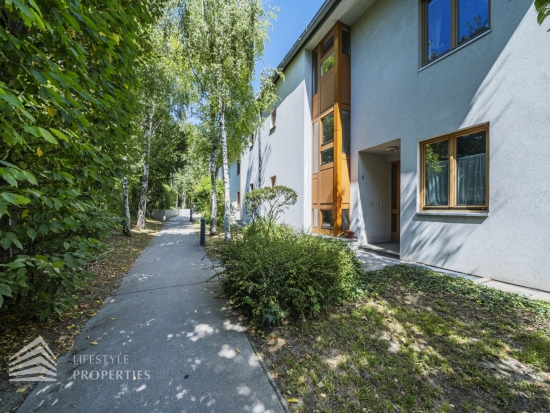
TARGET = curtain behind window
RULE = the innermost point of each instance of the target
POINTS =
(471, 180)
(437, 183)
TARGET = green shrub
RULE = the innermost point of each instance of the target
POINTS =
(267, 204)
(273, 275)
(202, 198)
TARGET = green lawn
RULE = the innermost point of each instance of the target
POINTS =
(417, 342)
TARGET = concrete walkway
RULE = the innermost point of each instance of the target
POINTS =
(164, 344)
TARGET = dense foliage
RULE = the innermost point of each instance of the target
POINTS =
(277, 274)
(67, 101)
(202, 199)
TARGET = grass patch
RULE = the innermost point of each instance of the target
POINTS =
(418, 341)
(59, 332)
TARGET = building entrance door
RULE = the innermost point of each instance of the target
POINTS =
(395, 201)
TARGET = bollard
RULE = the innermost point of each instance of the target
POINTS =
(191, 214)
(203, 232)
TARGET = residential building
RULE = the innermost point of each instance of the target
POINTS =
(425, 123)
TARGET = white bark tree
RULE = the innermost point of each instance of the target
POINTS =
(223, 39)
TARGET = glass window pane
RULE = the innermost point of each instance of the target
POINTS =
(437, 173)
(439, 27)
(328, 218)
(473, 18)
(345, 219)
(471, 152)
(328, 129)
(327, 156)
(346, 138)
(327, 64)
(315, 67)
(315, 147)
(315, 218)
(346, 46)
(327, 44)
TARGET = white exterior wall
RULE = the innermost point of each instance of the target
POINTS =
(503, 78)
(234, 183)
(286, 153)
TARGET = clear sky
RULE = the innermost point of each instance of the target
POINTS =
(292, 19)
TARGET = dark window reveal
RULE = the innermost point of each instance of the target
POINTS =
(346, 135)
(315, 73)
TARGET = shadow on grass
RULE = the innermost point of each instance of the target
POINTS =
(418, 341)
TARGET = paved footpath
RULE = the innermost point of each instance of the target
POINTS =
(165, 344)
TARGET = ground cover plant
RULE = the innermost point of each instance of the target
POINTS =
(60, 330)
(418, 341)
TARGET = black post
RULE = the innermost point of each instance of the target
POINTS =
(203, 232)
(191, 214)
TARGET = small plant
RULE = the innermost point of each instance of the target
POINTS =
(267, 204)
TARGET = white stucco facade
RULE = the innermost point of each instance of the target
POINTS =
(285, 151)
(501, 78)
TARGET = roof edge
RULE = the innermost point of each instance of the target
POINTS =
(322, 14)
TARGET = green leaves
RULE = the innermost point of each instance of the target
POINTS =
(275, 273)
(15, 199)
(68, 110)
(543, 10)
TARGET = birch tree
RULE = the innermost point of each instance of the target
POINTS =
(165, 91)
(223, 40)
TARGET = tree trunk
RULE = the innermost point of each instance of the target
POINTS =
(214, 211)
(125, 200)
(225, 165)
(142, 209)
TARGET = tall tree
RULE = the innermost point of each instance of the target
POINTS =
(223, 39)
(163, 95)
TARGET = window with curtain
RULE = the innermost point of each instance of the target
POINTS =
(455, 171)
(449, 23)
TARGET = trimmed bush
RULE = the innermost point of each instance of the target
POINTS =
(279, 274)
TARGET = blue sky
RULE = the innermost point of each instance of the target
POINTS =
(292, 19)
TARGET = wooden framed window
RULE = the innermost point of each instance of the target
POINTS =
(273, 179)
(327, 64)
(447, 24)
(327, 219)
(327, 44)
(316, 147)
(455, 171)
(315, 218)
(251, 187)
(328, 129)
